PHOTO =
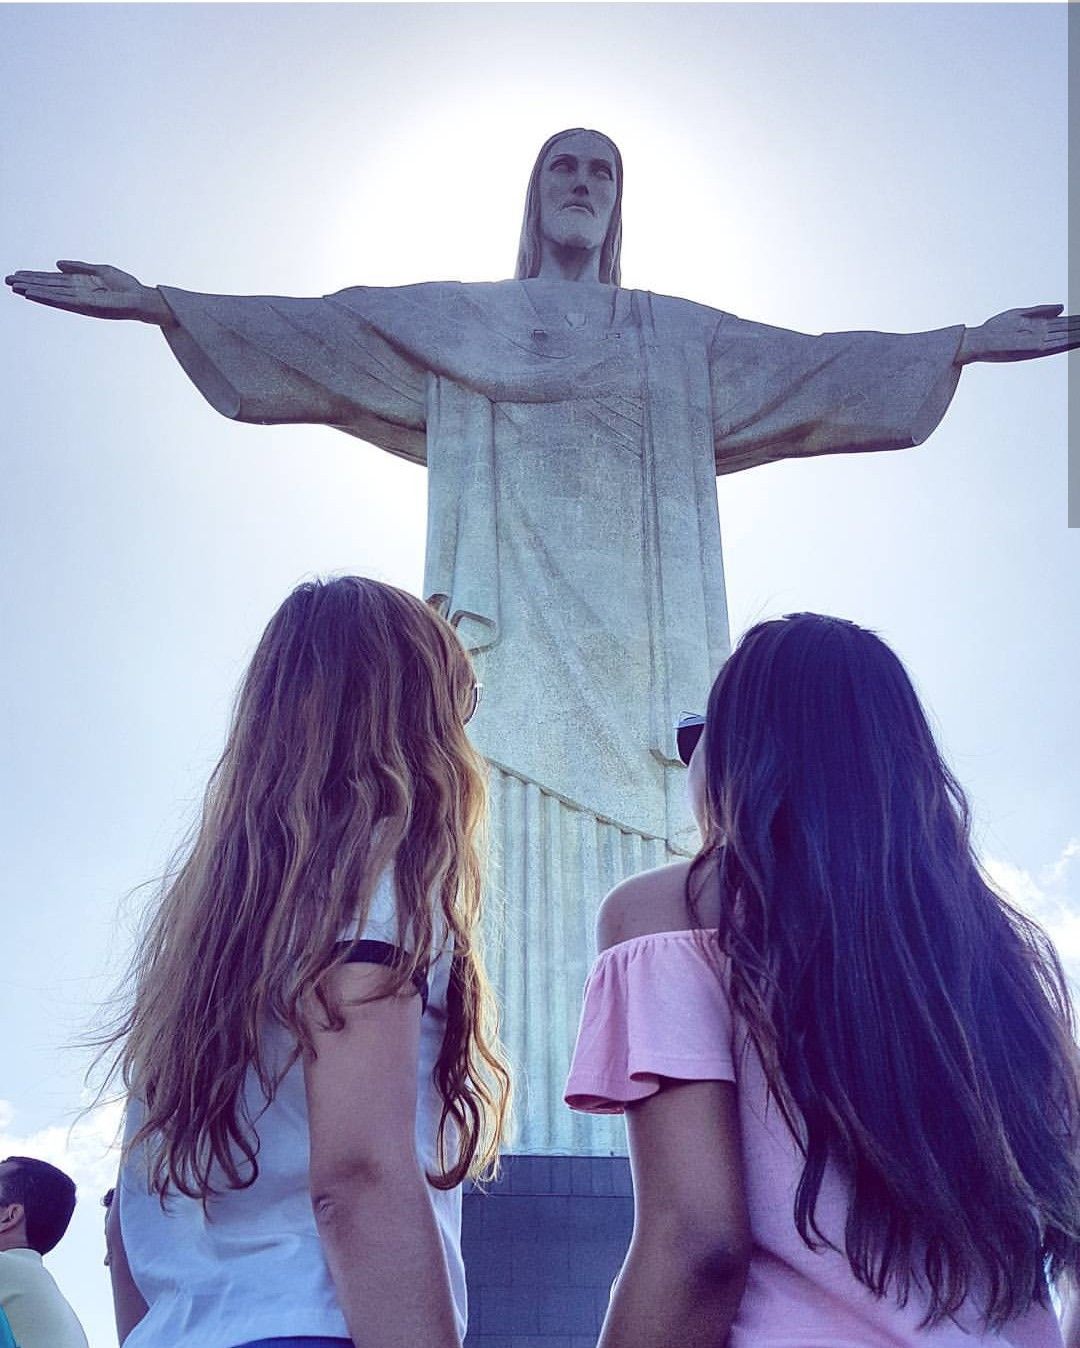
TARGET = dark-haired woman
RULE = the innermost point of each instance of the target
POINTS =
(309, 1056)
(847, 1065)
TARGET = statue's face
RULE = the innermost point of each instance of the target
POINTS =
(577, 191)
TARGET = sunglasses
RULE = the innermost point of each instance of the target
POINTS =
(477, 694)
(687, 733)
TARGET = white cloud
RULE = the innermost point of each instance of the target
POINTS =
(1054, 876)
(1050, 899)
(86, 1150)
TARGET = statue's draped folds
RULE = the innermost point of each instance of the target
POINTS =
(572, 433)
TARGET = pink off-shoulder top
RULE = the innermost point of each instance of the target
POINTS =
(656, 1006)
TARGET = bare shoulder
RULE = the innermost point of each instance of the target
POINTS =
(650, 902)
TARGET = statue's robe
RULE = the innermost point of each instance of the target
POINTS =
(572, 433)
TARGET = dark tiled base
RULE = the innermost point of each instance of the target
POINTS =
(541, 1248)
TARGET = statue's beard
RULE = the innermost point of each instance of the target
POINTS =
(576, 239)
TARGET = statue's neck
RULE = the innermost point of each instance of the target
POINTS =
(558, 262)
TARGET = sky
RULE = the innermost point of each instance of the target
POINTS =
(820, 167)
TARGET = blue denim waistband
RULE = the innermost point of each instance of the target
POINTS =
(297, 1342)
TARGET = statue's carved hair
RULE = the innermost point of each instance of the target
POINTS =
(347, 755)
(915, 1029)
(529, 249)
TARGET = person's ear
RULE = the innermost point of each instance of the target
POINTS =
(11, 1215)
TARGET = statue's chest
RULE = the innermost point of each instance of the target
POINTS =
(604, 427)
(581, 323)
(582, 361)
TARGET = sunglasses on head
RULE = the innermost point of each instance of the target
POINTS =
(687, 733)
(477, 694)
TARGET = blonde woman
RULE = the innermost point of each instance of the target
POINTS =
(310, 1054)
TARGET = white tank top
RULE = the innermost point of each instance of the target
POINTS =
(252, 1265)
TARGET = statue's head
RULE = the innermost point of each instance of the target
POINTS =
(575, 200)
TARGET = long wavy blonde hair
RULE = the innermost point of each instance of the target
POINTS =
(347, 755)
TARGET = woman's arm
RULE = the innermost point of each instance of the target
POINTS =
(371, 1199)
(129, 1306)
(684, 1273)
(686, 1267)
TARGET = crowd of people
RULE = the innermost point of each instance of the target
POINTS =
(847, 1065)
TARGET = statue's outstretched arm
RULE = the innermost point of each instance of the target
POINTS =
(96, 290)
(1021, 334)
(781, 395)
(266, 359)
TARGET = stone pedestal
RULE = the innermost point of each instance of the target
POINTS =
(542, 1247)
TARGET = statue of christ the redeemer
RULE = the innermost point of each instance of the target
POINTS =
(572, 431)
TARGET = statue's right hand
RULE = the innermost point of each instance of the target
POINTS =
(97, 291)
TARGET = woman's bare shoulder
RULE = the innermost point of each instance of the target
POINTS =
(651, 902)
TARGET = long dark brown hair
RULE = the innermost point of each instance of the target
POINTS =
(529, 248)
(915, 1029)
(347, 756)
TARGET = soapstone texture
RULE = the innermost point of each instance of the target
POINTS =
(572, 433)
(542, 1247)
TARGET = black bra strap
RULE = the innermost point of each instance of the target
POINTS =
(390, 956)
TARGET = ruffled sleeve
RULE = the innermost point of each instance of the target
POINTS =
(654, 1006)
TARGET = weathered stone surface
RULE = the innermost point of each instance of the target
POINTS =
(572, 431)
(542, 1247)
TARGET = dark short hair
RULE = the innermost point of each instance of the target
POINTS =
(46, 1194)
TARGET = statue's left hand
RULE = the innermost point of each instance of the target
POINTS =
(1022, 334)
